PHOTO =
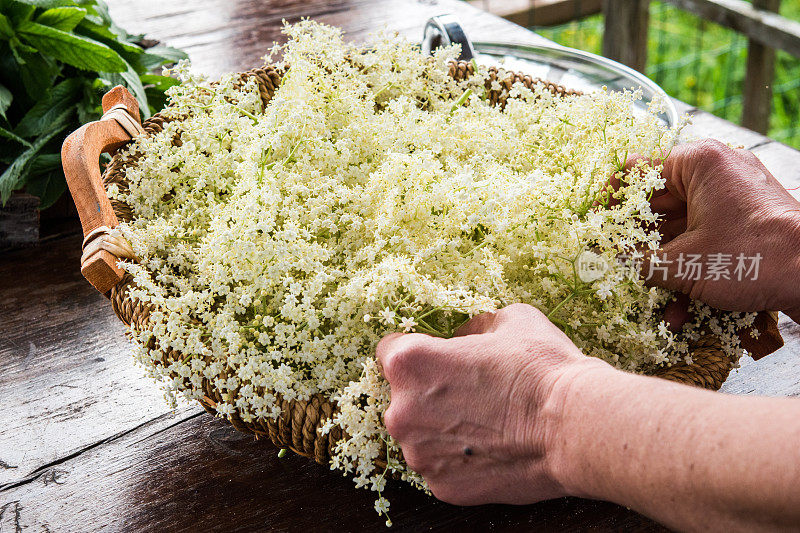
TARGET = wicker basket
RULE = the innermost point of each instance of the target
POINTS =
(297, 427)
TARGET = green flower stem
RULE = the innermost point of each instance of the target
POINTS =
(460, 101)
(560, 305)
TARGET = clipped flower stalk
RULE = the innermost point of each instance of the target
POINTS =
(376, 194)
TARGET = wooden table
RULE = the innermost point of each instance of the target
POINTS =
(87, 442)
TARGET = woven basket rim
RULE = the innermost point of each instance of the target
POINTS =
(297, 428)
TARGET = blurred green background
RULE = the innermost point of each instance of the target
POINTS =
(701, 63)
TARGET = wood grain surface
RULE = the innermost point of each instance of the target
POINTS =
(226, 35)
(67, 378)
(19, 221)
(88, 443)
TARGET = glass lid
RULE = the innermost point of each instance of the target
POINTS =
(573, 69)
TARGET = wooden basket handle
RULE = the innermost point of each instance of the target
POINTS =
(769, 337)
(80, 157)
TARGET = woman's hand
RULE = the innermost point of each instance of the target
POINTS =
(477, 414)
(724, 201)
(511, 412)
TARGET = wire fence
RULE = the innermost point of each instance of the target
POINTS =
(701, 63)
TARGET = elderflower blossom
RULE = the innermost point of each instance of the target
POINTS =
(278, 245)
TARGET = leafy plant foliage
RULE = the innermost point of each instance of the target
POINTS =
(57, 57)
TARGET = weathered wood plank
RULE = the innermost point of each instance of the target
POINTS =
(224, 36)
(705, 125)
(682, 107)
(625, 34)
(68, 379)
(200, 474)
(783, 162)
(775, 375)
(767, 28)
(19, 221)
(539, 12)
(758, 78)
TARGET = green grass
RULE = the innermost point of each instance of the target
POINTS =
(702, 64)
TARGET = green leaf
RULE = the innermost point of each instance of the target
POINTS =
(88, 105)
(157, 99)
(14, 176)
(14, 137)
(161, 83)
(22, 47)
(20, 12)
(62, 18)
(6, 30)
(48, 4)
(96, 19)
(103, 17)
(130, 79)
(46, 179)
(94, 26)
(101, 9)
(9, 152)
(160, 55)
(72, 49)
(38, 73)
(93, 30)
(60, 99)
(5, 100)
(48, 186)
(45, 163)
(14, 45)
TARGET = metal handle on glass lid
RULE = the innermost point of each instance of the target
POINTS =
(444, 30)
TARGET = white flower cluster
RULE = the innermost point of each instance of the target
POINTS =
(375, 194)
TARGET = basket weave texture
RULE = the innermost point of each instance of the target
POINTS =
(297, 426)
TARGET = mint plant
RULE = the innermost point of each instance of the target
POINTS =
(57, 58)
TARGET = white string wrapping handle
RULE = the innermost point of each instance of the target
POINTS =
(121, 115)
(110, 240)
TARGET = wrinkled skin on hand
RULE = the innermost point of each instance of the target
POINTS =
(479, 393)
(721, 200)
